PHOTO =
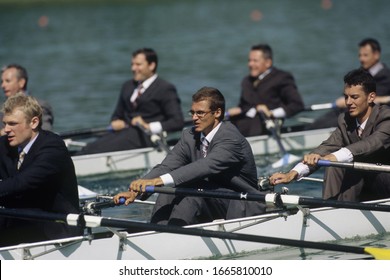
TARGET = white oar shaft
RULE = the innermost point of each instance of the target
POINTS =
(378, 167)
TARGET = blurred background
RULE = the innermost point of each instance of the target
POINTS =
(78, 53)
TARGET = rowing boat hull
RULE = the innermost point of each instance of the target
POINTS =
(320, 225)
(140, 159)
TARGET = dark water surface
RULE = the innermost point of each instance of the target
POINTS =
(78, 55)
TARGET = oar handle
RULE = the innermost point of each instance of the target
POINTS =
(322, 106)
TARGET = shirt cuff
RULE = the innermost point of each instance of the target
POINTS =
(279, 113)
(302, 170)
(167, 179)
(251, 113)
(343, 155)
(155, 127)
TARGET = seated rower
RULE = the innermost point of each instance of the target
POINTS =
(212, 154)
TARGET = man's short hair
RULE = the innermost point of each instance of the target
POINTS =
(26, 103)
(360, 77)
(150, 55)
(265, 48)
(373, 43)
(215, 98)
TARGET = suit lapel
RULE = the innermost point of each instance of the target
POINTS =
(371, 121)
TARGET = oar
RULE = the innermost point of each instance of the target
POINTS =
(156, 139)
(287, 158)
(322, 106)
(270, 199)
(376, 167)
(95, 221)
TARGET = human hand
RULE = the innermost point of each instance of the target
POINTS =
(117, 125)
(282, 178)
(140, 184)
(139, 121)
(263, 108)
(129, 196)
(312, 159)
(340, 102)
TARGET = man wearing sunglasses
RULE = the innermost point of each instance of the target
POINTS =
(211, 155)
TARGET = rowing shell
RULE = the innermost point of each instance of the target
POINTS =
(146, 158)
(318, 225)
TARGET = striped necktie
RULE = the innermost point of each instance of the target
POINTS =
(139, 93)
(21, 158)
(205, 145)
(360, 131)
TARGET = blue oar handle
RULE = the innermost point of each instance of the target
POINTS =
(122, 200)
(327, 163)
(323, 162)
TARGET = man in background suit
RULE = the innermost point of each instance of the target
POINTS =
(266, 89)
(14, 79)
(364, 118)
(210, 155)
(146, 103)
(36, 173)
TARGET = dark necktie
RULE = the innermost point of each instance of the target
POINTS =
(139, 93)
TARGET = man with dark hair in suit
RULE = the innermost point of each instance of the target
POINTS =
(267, 91)
(370, 60)
(36, 173)
(146, 103)
(362, 134)
(211, 155)
(14, 79)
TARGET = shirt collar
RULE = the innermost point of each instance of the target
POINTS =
(362, 125)
(264, 74)
(27, 148)
(148, 81)
(376, 68)
(212, 133)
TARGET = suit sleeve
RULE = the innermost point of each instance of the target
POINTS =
(171, 107)
(292, 102)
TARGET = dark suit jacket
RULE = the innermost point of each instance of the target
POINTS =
(277, 89)
(45, 181)
(374, 146)
(159, 102)
(382, 79)
(229, 163)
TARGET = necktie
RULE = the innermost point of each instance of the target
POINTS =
(360, 131)
(21, 158)
(138, 94)
(205, 145)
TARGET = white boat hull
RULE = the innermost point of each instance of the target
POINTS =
(320, 225)
(148, 157)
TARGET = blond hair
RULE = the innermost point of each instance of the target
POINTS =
(27, 104)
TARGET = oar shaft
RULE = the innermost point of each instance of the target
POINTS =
(271, 198)
(84, 132)
(376, 167)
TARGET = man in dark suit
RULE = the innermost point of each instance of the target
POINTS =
(14, 79)
(147, 102)
(370, 60)
(36, 173)
(210, 155)
(362, 134)
(266, 89)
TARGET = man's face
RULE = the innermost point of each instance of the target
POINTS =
(19, 131)
(358, 102)
(203, 118)
(141, 69)
(10, 82)
(257, 64)
(368, 57)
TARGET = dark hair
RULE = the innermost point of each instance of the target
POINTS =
(374, 44)
(21, 72)
(150, 55)
(360, 77)
(215, 98)
(266, 49)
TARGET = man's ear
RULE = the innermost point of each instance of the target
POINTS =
(371, 97)
(34, 123)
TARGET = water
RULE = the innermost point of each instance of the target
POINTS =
(80, 58)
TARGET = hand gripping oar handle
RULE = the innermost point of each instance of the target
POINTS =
(376, 167)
